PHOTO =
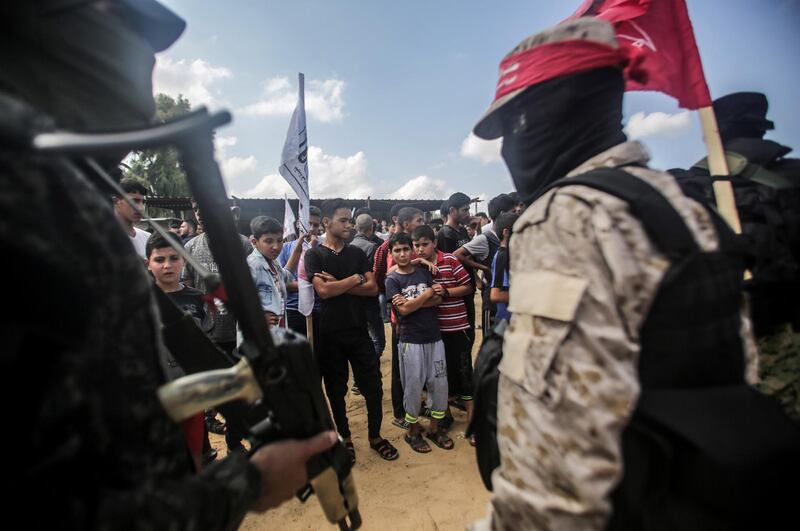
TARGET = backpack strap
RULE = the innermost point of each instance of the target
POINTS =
(661, 221)
(739, 165)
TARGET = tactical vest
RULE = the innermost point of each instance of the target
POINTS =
(766, 189)
(702, 446)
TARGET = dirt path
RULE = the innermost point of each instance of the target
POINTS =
(441, 490)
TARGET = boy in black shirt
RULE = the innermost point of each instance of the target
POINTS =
(453, 234)
(342, 277)
(166, 265)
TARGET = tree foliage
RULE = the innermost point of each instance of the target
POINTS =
(159, 167)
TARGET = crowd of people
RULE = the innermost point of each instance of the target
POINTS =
(423, 277)
(637, 377)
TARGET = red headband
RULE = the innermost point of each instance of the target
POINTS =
(557, 59)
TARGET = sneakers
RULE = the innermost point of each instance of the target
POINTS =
(403, 424)
(356, 390)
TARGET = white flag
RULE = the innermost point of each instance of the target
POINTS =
(294, 160)
(288, 218)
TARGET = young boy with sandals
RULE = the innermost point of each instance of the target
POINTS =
(422, 359)
(452, 284)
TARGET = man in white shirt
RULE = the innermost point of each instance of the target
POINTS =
(127, 216)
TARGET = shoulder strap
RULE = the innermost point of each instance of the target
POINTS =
(661, 221)
(738, 164)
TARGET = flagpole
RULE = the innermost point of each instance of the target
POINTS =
(310, 330)
(718, 165)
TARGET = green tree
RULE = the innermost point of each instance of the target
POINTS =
(159, 167)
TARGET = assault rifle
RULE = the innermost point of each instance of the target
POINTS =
(273, 392)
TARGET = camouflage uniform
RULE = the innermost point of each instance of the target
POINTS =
(583, 276)
(780, 368)
(92, 446)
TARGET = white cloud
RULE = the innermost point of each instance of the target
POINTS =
(270, 186)
(324, 99)
(232, 167)
(485, 151)
(329, 176)
(422, 187)
(642, 125)
(221, 145)
(194, 79)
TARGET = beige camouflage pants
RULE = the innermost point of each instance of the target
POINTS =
(780, 369)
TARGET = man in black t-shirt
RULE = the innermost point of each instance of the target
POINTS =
(452, 236)
(343, 279)
(453, 233)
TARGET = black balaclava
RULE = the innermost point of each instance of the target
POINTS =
(84, 64)
(553, 127)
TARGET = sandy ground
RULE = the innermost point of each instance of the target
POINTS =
(441, 490)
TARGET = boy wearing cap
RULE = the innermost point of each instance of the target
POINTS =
(584, 273)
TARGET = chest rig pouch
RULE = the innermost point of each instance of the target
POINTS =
(703, 449)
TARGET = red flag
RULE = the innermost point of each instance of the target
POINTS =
(660, 33)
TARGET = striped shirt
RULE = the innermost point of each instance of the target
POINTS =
(452, 312)
(379, 267)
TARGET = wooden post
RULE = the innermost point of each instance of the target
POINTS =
(310, 330)
(717, 165)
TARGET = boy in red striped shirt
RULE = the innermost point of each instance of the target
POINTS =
(452, 283)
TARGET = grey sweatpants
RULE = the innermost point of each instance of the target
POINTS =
(420, 365)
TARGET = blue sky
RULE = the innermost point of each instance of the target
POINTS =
(394, 88)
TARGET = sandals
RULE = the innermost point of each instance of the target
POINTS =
(417, 443)
(385, 450)
(447, 422)
(351, 450)
(441, 439)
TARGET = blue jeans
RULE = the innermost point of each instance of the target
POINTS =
(375, 327)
